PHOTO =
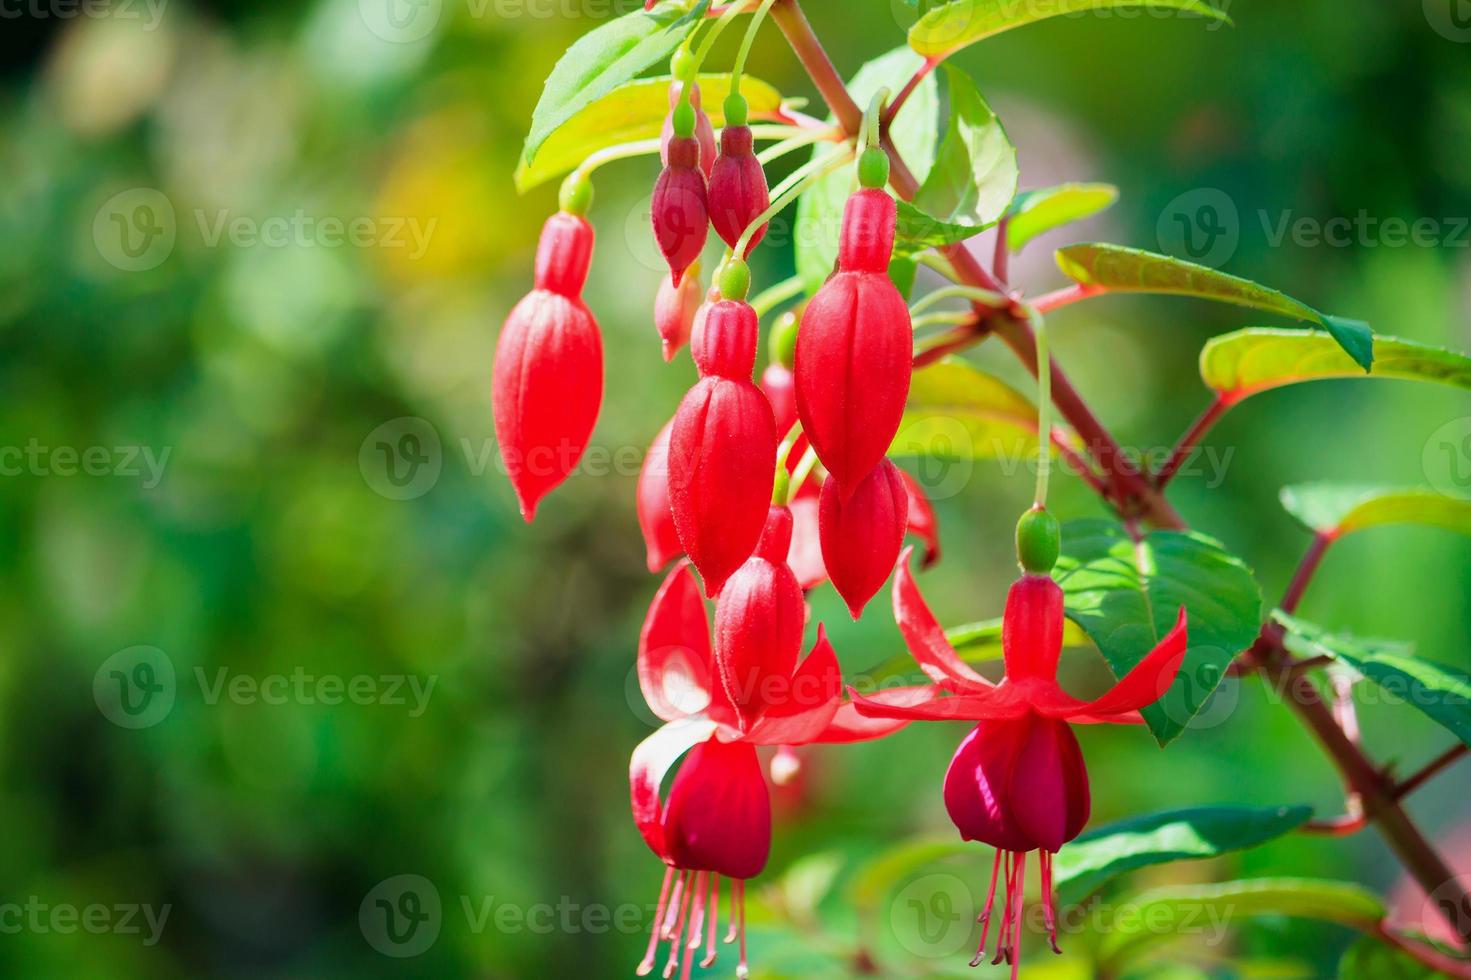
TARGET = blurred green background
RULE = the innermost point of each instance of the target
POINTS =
(250, 242)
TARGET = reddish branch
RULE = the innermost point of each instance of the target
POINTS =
(1136, 496)
(1189, 441)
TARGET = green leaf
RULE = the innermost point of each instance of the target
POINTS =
(1157, 916)
(1241, 364)
(947, 29)
(1126, 597)
(1442, 694)
(956, 411)
(1159, 838)
(1036, 212)
(972, 180)
(1370, 959)
(820, 208)
(633, 111)
(1123, 269)
(1335, 509)
(603, 59)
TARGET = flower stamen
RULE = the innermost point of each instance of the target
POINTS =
(646, 965)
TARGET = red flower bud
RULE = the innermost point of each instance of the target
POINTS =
(722, 449)
(704, 132)
(758, 624)
(738, 193)
(681, 222)
(655, 519)
(777, 384)
(547, 383)
(855, 348)
(862, 535)
(675, 308)
(922, 520)
(697, 329)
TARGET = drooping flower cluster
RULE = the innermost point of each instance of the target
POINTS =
(1017, 782)
(768, 490)
(716, 818)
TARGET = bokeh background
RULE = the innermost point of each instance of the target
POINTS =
(243, 244)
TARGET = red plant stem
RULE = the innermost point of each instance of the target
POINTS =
(907, 91)
(1380, 805)
(1001, 258)
(1065, 296)
(1344, 826)
(1190, 440)
(1304, 573)
(1430, 771)
(1428, 955)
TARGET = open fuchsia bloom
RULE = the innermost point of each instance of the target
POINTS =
(722, 449)
(1017, 782)
(855, 348)
(547, 382)
(716, 821)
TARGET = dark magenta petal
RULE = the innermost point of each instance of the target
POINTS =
(719, 813)
(1031, 629)
(978, 785)
(1049, 786)
(651, 761)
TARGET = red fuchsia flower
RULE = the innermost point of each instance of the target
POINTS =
(678, 210)
(1018, 781)
(855, 347)
(547, 383)
(675, 308)
(759, 621)
(716, 821)
(697, 327)
(655, 519)
(862, 534)
(722, 449)
(738, 193)
(805, 555)
(704, 132)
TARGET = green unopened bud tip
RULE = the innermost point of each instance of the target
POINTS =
(736, 110)
(873, 167)
(783, 340)
(1038, 541)
(735, 279)
(575, 196)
